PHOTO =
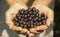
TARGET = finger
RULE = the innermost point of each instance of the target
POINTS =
(45, 2)
(33, 30)
(41, 28)
(24, 30)
(10, 14)
(31, 34)
(50, 19)
(47, 11)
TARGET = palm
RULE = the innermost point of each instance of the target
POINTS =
(12, 11)
(48, 12)
(10, 14)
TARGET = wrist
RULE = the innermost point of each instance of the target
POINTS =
(11, 2)
(45, 2)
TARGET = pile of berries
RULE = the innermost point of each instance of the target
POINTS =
(29, 18)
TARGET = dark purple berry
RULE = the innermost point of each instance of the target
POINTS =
(43, 14)
(29, 18)
(37, 10)
(29, 9)
(34, 9)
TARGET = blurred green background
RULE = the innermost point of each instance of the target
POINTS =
(57, 19)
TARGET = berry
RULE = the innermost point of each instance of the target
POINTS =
(29, 18)
(42, 14)
(29, 9)
(34, 9)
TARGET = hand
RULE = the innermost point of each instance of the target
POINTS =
(43, 8)
(12, 11)
(10, 14)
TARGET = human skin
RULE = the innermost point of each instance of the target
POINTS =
(10, 14)
(12, 11)
(43, 9)
(45, 2)
(11, 2)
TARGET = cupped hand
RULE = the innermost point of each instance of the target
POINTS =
(10, 14)
(13, 10)
(44, 9)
